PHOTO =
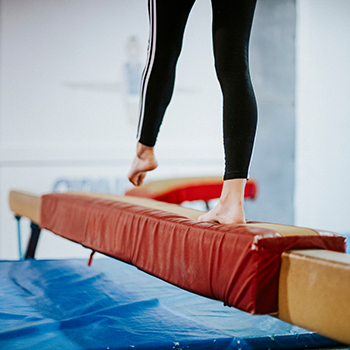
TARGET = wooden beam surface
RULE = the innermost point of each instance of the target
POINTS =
(314, 292)
(26, 204)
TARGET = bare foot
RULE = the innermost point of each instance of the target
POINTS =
(230, 208)
(144, 161)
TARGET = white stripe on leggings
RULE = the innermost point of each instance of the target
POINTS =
(149, 64)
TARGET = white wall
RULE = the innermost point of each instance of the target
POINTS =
(62, 78)
(322, 197)
(67, 113)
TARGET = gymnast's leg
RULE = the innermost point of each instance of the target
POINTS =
(232, 21)
(167, 20)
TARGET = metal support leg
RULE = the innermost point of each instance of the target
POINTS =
(33, 241)
(18, 218)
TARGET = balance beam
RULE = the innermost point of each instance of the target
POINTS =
(298, 274)
(179, 190)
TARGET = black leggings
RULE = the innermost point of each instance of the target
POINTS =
(232, 21)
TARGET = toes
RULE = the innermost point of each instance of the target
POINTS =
(134, 180)
(137, 180)
(201, 218)
(140, 179)
(206, 218)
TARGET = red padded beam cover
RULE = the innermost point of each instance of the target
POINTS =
(236, 264)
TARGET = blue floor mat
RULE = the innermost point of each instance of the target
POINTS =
(63, 304)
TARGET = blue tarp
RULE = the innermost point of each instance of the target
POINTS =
(63, 304)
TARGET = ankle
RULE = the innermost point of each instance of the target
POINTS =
(232, 201)
(143, 151)
(233, 192)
